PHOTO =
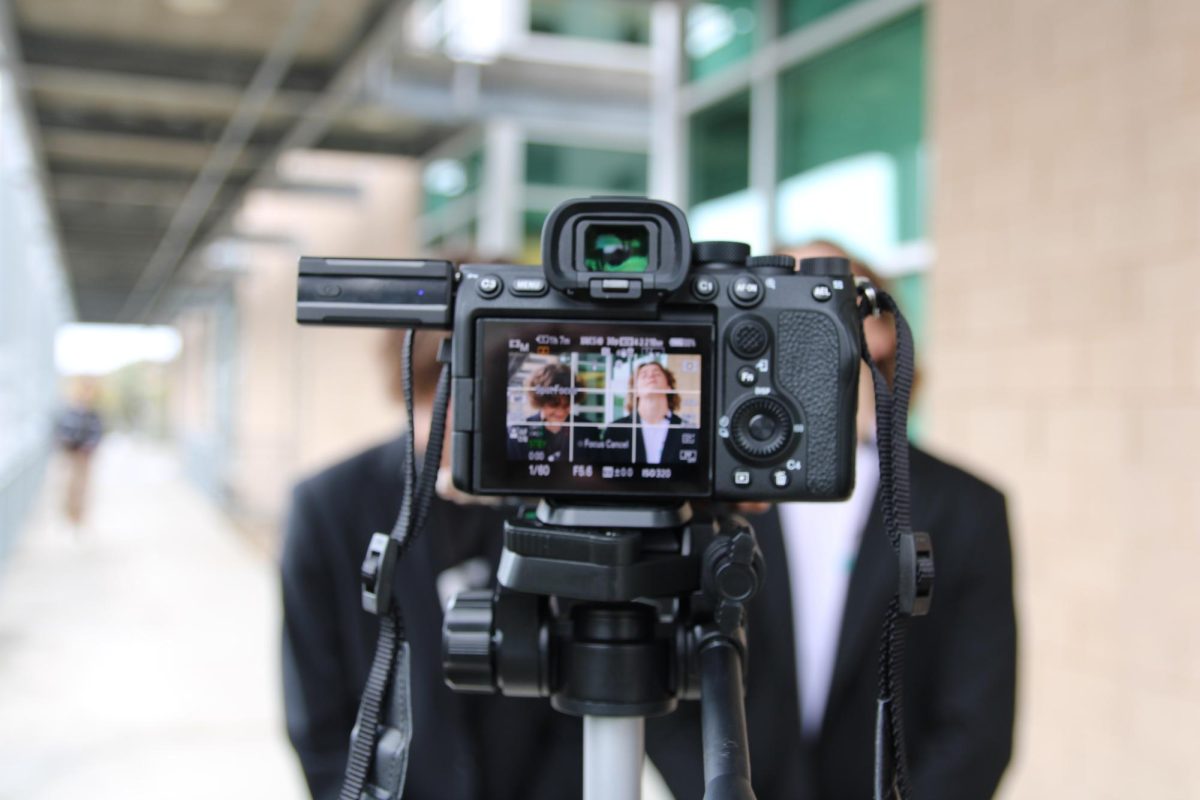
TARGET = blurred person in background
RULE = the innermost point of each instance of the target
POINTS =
(79, 430)
(814, 633)
(464, 747)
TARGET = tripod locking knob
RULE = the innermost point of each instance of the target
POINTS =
(467, 643)
(732, 575)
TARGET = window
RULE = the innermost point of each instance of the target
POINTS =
(796, 13)
(719, 34)
(444, 180)
(612, 21)
(719, 154)
(851, 121)
(590, 168)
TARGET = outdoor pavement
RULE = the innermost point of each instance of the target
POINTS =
(138, 659)
(139, 656)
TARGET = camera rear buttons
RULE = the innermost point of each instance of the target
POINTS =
(780, 479)
(760, 427)
(746, 291)
(741, 477)
(528, 287)
(704, 287)
(749, 337)
(489, 286)
(746, 376)
(821, 293)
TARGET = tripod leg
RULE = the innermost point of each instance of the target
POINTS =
(723, 711)
(613, 751)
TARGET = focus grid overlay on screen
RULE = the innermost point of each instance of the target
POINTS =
(596, 406)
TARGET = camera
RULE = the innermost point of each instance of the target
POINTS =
(635, 364)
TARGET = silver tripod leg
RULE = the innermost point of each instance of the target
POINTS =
(613, 751)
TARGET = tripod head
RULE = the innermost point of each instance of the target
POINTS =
(617, 612)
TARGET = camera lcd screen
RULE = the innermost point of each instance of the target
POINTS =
(578, 408)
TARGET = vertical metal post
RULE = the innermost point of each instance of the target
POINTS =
(614, 749)
(501, 191)
(764, 125)
(668, 132)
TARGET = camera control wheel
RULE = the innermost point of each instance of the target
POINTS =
(760, 428)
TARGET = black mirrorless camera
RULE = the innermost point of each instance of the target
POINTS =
(636, 363)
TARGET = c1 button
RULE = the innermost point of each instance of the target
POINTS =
(704, 287)
(490, 286)
(747, 376)
(780, 479)
(741, 477)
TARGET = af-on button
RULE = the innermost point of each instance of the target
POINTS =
(746, 291)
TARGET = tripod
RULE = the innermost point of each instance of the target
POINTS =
(615, 614)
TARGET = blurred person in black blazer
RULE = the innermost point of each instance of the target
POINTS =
(960, 673)
(464, 747)
(814, 635)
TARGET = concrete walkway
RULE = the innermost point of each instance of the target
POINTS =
(139, 658)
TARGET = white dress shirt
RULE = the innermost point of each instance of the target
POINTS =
(822, 541)
(654, 437)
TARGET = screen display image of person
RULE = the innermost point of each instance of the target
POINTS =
(589, 407)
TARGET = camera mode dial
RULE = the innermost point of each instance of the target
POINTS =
(772, 265)
(719, 255)
(760, 428)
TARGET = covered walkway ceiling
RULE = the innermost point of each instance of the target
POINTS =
(132, 99)
(155, 117)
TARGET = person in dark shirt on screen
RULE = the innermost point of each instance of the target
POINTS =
(546, 436)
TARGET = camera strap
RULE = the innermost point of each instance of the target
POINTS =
(379, 743)
(913, 550)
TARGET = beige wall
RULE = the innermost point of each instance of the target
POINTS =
(1064, 362)
(305, 397)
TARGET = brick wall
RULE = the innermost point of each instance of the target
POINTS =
(1063, 362)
